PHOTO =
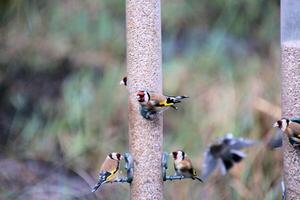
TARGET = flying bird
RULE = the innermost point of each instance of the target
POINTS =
(154, 103)
(109, 169)
(225, 152)
(183, 165)
(291, 127)
(276, 140)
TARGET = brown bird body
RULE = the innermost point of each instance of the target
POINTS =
(109, 169)
(293, 129)
(158, 102)
(183, 165)
(110, 165)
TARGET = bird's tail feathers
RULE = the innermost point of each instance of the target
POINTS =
(101, 181)
(176, 99)
(174, 107)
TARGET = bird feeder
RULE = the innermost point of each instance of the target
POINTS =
(290, 89)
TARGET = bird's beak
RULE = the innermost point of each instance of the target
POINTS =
(121, 157)
(170, 154)
(122, 82)
(275, 125)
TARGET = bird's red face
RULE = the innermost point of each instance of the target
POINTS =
(142, 96)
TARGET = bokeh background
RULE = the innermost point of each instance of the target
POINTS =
(62, 108)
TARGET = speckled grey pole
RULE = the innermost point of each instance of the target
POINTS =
(144, 71)
(290, 90)
(290, 103)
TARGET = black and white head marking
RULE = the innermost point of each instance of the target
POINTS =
(124, 81)
(115, 156)
(282, 124)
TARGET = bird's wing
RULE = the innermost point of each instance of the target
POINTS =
(107, 172)
(185, 165)
(222, 167)
(111, 166)
(295, 141)
(227, 164)
(296, 120)
(275, 141)
(209, 164)
(158, 99)
(188, 162)
(237, 155)
(295, 127)
(103, 176)
(239, 143)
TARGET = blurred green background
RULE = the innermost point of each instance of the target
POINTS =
(62, 108)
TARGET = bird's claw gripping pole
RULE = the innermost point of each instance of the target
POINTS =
(129, 167)
(164, 164)
(175, 177)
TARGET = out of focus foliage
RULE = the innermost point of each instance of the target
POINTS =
(60, 101)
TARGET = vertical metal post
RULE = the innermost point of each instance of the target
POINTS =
(143, 23)
(290, 89)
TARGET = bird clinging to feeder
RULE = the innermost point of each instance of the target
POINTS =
(183, 165)
(291, 127)
(154, 103)
(109, 169)
(225, 152)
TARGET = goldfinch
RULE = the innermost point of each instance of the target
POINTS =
(291, 127)
(183, 165)
(225, 151)
(157, 103)
(109, 169)
(124, 81)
